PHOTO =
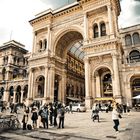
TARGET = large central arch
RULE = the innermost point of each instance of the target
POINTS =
(63, 77)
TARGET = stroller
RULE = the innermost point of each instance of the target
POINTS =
(95, 115)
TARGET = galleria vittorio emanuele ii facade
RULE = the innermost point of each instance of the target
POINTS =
(78, 54)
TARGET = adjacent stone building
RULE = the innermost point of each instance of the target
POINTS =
(78, 54)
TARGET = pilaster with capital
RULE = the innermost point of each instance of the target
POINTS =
(6, 95)
(98, 84)
(63, 87)
(51, 78)
(49, 38)
(85, 27)
(88, 99)
(30, 83)
(110, 19)
(116, 79)
(34, 42)
(46, 82)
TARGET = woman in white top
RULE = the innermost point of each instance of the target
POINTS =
(115, 118)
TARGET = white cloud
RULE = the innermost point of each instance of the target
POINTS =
(130, 14)
(15, 16)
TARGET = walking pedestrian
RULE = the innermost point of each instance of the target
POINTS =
(115, 118)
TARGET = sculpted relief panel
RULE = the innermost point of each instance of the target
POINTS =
(101, 60)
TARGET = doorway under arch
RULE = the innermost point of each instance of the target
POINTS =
(135, 89)
(69, 50)
(103, 82)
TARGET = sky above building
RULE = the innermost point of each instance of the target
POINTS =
(15, 16)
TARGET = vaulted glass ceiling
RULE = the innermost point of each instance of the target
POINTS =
(76, 50)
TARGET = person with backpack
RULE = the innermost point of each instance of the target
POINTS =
(61, 116)
(44, 116)
(34, 117)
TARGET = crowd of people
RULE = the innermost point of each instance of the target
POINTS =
(53, 114)
(44, 116)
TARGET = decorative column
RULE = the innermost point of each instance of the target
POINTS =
(49, 38)
(99, 29)
(34, 42)
(5, 96)
(30, 90)
(98, 87)
(110, 19)
(85, 27)
(21, 98)
(14, 97)
(51, 78)
(45, 85)
(116, 82)
(88, 98)
(93, 87)
(63, 85)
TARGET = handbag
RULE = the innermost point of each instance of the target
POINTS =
(120, 116)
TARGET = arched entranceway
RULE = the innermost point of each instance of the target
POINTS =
(103, 83)
(68, 50)
(107, 85)
(135, 89)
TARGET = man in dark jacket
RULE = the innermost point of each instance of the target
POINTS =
(61, 116)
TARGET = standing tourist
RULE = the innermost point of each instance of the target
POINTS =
(34, 117)
(61, 116)
(44, 116)
(25, 119)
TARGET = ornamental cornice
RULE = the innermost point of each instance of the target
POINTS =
(100, 2)
(109, 43)
(52, 14)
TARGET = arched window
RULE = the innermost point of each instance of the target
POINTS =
(134, 56)
(45, 44)
(40, 45)
(128, 40)
(136, 38)
(103, 29)
(15, 72)
(95, 31)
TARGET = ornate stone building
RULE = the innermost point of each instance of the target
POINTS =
(79, 54)
(13, 72)
(95, 24)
